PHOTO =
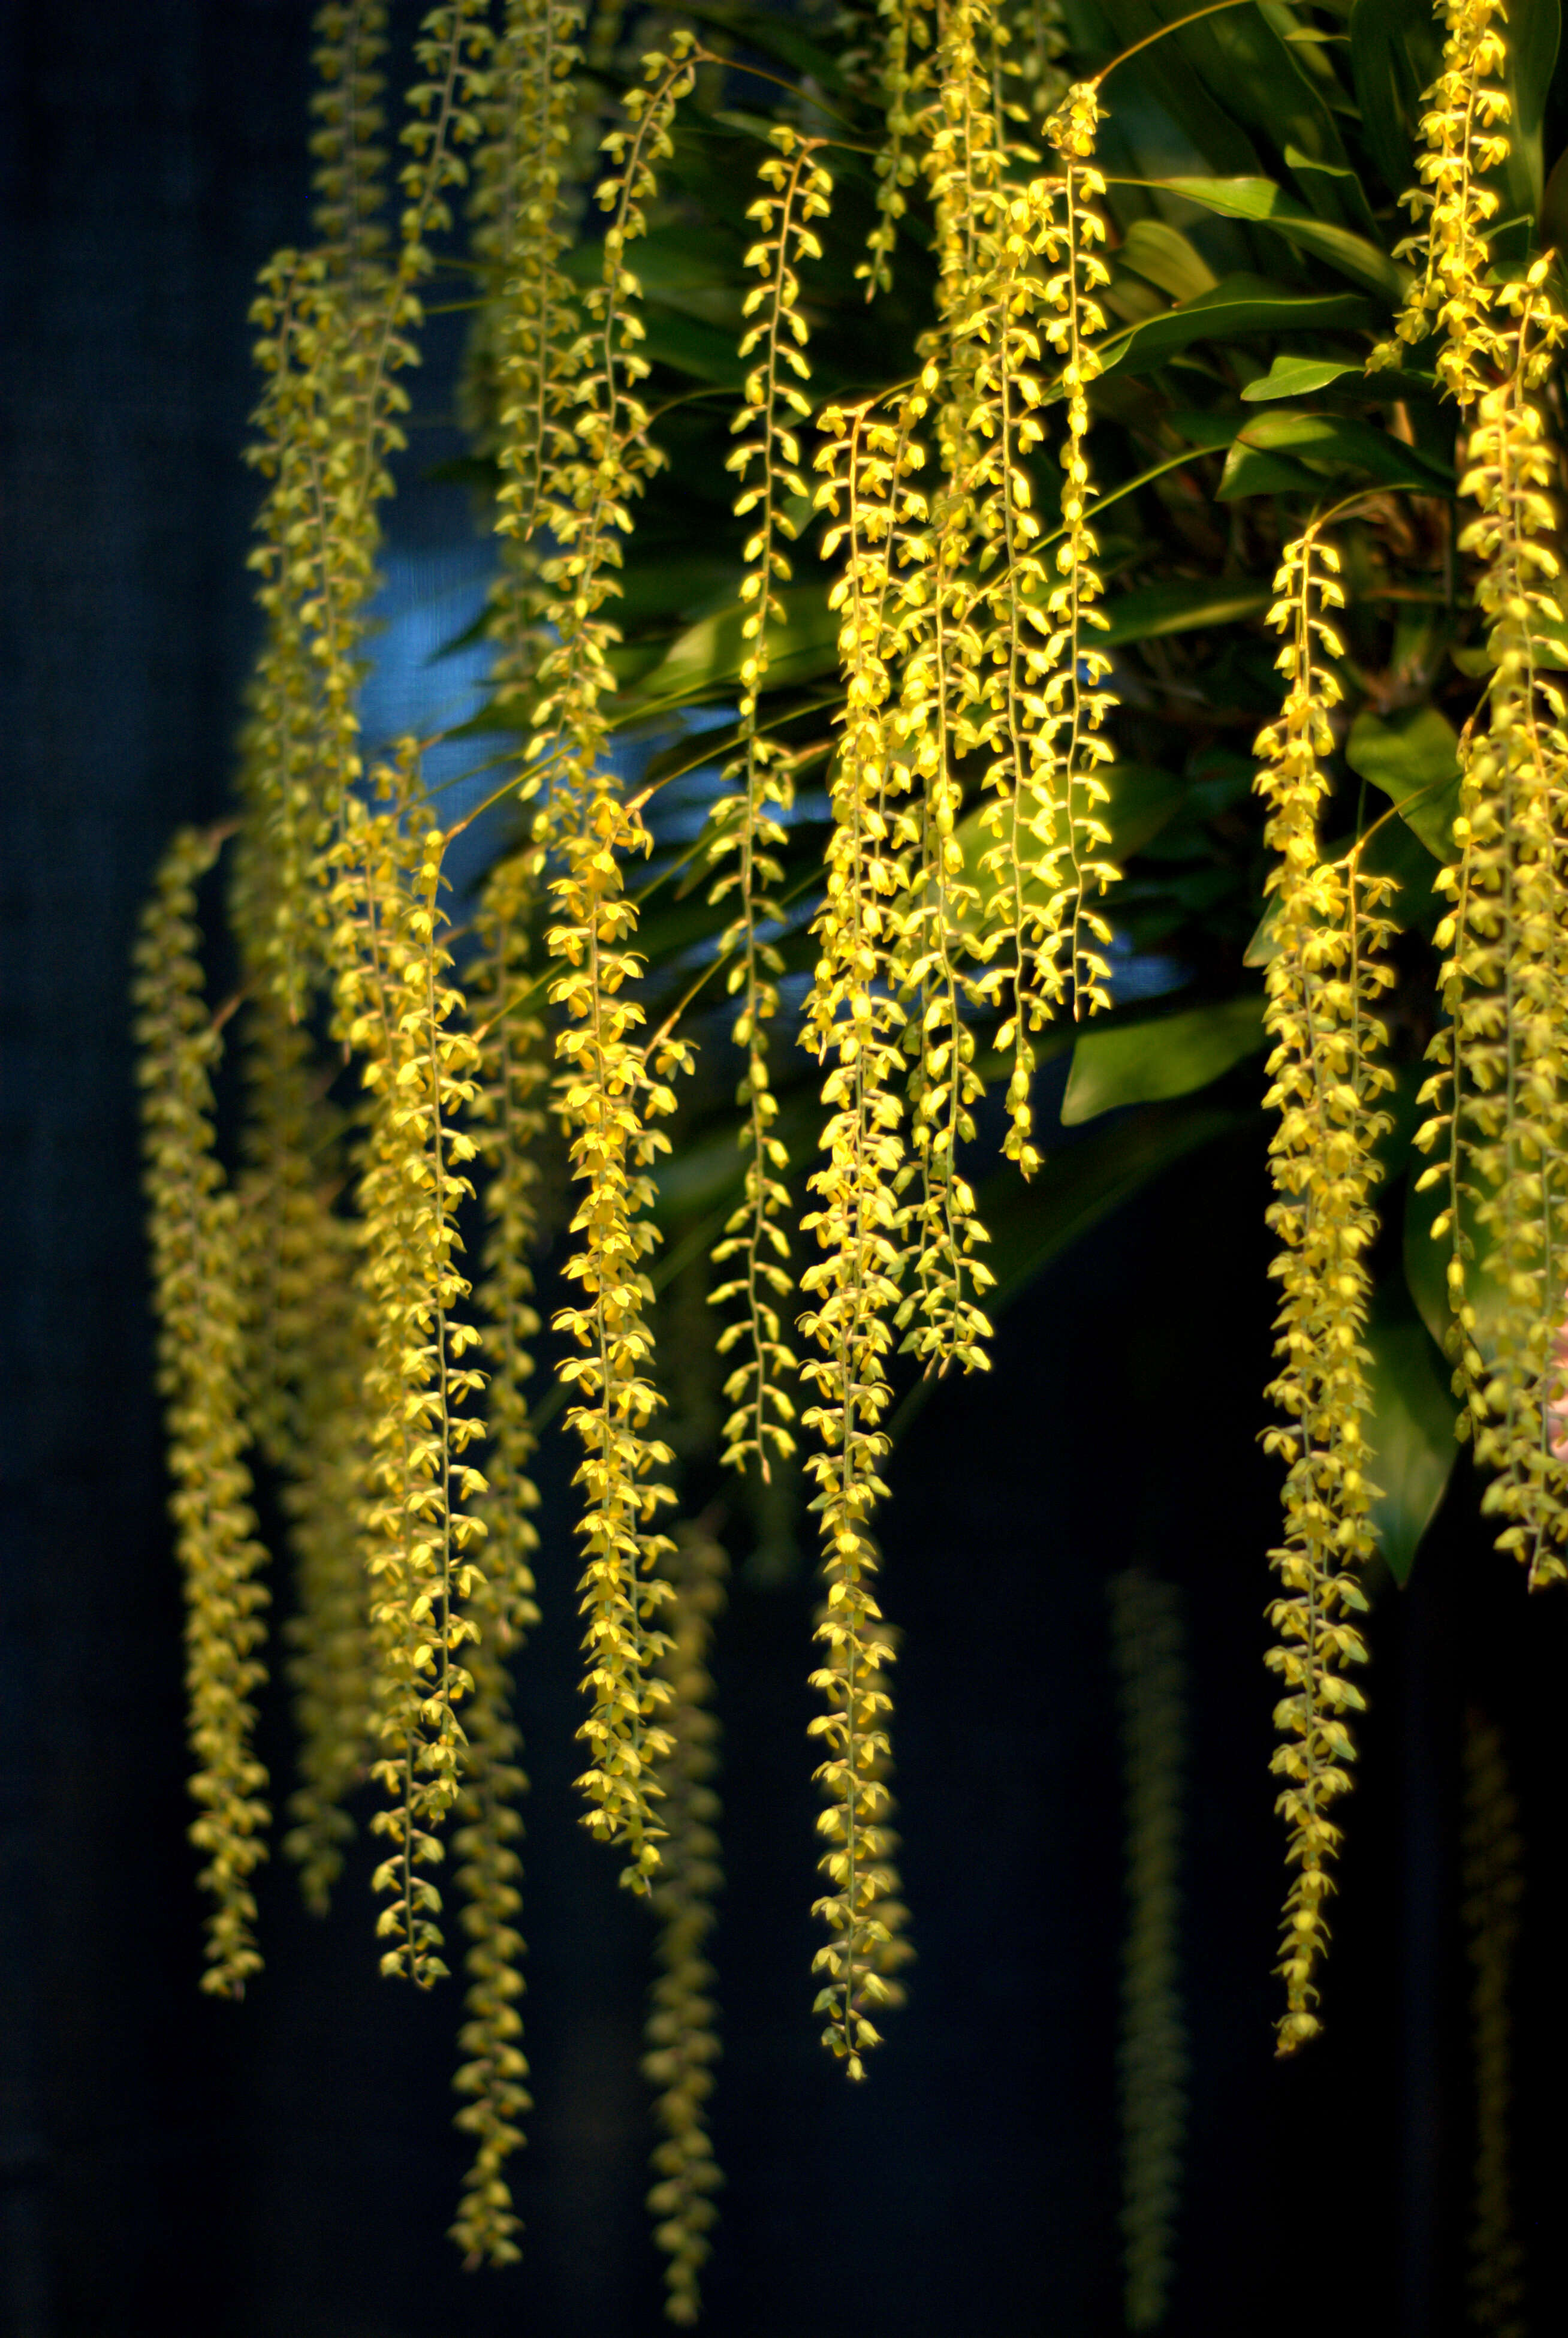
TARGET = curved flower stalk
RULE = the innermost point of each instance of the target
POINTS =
(1146, 1624)
(611, 1090)
(681, 2030)
(962, 157)
(854, 1019)
(1502, 1077)
(191, 1224)
(1491, 1870)
(941, 652)
(397, 1012)
(747, 823)
(514, 1071)
(1324, 981)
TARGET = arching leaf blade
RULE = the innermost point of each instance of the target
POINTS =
(1165, 1055)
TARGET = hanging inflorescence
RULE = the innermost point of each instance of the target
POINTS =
(192, 1230)
(508, 1106)
(400, 1017)
(747, 832)
(614, 1089)
(855, 1021)
(1326, 975)
(406, 1065)
(681, 2031)
(1499, 1087)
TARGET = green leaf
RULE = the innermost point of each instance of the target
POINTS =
(704, 662)
(1396, 52)
(1162, 253)
(705, 352)
(1554, 219)
(1295, 377)
(1290, 377)
(773, 36)
(1167, 75)
(685, 266)
(1168, 1056)
(690, 306)
(1142, 801)
(1267, 204)
(1253, 471)
(1182, 606)
(1208, 432)
(1411, 1427)
(1239, 306)
(1340, 440)
(1241, 60)
(1535, 30)
(1413, 757)
(1345, 194)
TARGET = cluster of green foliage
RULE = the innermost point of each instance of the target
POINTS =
(897, 569)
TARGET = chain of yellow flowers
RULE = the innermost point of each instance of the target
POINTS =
(940, 654)
(747, 823)
(854, 1019)
(1500, 1086)
(513, 1071)
(901, 75)
(350, 161)
(611, 1090)
(404, 1021)
(198, 1301)
(330, 1667)
(680, 2031)
(529, 340)
(304, 1367)
(1076, 668)
(940, 1313)
(1323, 980)
(1462, 140)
